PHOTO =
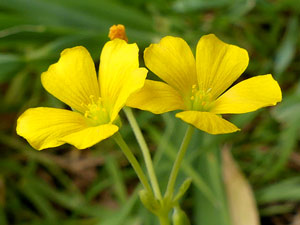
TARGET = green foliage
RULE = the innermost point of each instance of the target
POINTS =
(98, 186)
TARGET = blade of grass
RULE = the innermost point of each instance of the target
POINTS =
(117, 179)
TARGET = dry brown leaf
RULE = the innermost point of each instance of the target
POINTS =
(242, 205)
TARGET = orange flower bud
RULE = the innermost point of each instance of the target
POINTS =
(117, 31)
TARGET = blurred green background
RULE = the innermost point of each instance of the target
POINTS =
(97, 186)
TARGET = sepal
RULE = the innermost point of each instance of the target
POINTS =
(183, 188)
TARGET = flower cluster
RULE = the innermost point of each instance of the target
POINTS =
(199, 86)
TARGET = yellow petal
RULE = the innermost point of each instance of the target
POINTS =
(156, 97)
(90, 136)
(249, 95)
(46, 128)
(173, 61)
(43, 127)
(207, 122)
(73, 78)
(118, 63)
(134, 82)
(218, 64)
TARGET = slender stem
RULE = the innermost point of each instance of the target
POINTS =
(172, 179)
(145, 150)
(134, 163)
(164, 220)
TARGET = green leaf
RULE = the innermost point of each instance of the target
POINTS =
(288, 110)
(193, 5)
(117, 178)
(287, 47)
(9, 64)
(209, 167)
(286, 190)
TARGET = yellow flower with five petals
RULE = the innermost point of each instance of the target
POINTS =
(95, 103)
(199, 86)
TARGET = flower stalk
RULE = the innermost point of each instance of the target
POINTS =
(164, 220)
(166, 202)
(174, 173)
(145, 150)
(133, 161)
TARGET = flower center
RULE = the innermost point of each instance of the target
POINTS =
(96, 112)
(201, 100)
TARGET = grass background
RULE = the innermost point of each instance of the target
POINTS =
(97, 186)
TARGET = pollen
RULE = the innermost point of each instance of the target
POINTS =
(117, 31)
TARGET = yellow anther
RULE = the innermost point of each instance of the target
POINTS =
(99, 101)
(200, 100)
(92, 97)
(194, 89)
(96, 111)
(117, 31)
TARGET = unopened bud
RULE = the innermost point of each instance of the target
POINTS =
(149, 201)
(117, 31)
(179, 217)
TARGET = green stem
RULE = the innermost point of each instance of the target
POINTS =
(134, 163)
(145, 150)
(164, 220)
(173, 176)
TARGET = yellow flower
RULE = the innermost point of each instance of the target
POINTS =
(95, 103)
(199, 87)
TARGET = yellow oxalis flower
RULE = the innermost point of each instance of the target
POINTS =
(199, 86)
(95, 103)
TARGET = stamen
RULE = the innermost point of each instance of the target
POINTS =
(99, 101)
(92, 97)
(200, 100)
(96, 111)
(194, 89)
